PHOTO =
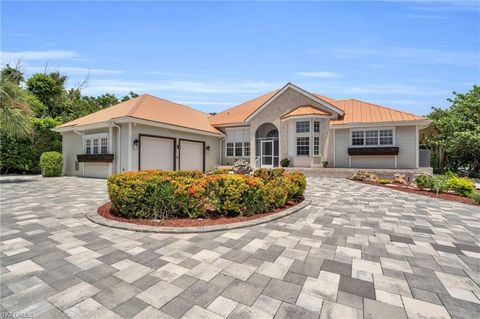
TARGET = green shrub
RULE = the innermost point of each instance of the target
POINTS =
(424, 181)
(285, 162)
(461, 185)
(475, 195)
(440, 183)
(219, 171)
(156, 194)
(296, 184)
(384, 181)
(268, 173)
(51, 164)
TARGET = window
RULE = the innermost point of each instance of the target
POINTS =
(230, 149)
(386, 137)
(95, 146)
(303, 146)
(88, 147)
(358, 138)
(372, 137)
(316, 127)
(96, 143)
(303, 127)
(316, 145)
(246, 148)
(104, 145)
(238, 149)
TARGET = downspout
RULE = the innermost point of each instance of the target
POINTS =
(83, 148)
(220, 148)
(119, 149)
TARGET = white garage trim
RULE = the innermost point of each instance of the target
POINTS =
(158, 137)
(191, 141)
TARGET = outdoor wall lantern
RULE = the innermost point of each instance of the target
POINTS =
(135, 144)
(207, 148)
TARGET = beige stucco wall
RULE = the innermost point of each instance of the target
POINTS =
(289, 100)
(212, 157)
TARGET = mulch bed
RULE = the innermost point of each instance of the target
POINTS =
(213, 219)
(406, 189)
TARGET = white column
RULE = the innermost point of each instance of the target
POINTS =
(129, 146)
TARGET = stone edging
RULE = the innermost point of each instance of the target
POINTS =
(93, 216)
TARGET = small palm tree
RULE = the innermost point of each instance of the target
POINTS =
(14, 110)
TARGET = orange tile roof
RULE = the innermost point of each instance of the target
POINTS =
(150, 108)
(306, 110)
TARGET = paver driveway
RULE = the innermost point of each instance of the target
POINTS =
(356, 251)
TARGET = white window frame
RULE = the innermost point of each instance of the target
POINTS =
(232, 148)
(303, 121)
(245, 149)
(92, 138)
(309, 145)
(378, 136)
(233, 137)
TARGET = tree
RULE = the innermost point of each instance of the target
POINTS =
(454, 134)
(13, 74)
(50, 90)
(14, 110)
(130, 95)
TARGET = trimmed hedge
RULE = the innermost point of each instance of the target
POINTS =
(51, 164)
(156, 194)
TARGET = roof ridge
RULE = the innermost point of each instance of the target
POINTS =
(381, 106)
(176, 103)
(136, 105)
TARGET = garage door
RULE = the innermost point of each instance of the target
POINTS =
(192, 155)
(377, 161)
(157, 153)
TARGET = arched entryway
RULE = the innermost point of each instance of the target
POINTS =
(266, 146)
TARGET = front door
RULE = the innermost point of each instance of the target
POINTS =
(266, 152)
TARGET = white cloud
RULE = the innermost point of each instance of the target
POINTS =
(68, 70)
(401, 89)
(319, 74)
(120, 86)
(9, 56)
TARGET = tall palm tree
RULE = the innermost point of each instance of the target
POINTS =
(14, 111)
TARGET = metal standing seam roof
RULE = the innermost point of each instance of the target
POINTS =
(150, 108)
(356, 111)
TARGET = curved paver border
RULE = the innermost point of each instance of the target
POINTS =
(93, 216)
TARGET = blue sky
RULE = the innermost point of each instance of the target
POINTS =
(409, 55)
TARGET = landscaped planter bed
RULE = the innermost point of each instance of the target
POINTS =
(408, 189)
(193, 199)
(213, 219)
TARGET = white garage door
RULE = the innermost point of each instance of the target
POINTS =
(157, 153)
(376, 161)
(192, 155)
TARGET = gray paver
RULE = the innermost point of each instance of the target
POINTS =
(331, 259)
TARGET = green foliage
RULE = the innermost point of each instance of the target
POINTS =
(165, 194)
(12, 74)
(14, 110)
(51, 164)
(440, 183)
(219, 171)
(384, 181)
(461, 185)
(454, 134)
(475, 195)
(49, 89)
(268, 173)
(424, 181)
(285, 162)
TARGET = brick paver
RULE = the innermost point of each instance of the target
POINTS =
(357, 251)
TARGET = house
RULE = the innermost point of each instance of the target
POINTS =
(148, 132)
